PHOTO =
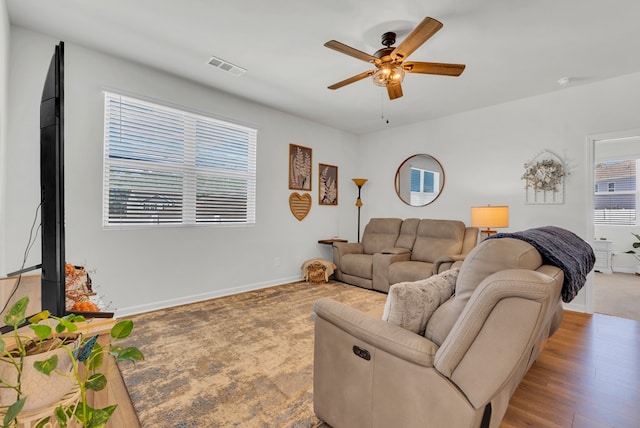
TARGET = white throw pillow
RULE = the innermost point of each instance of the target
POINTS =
(411, 304)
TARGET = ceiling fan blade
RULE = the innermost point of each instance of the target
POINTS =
(427, 28)
(394, 91)
(434, 68)
(352, 79)
(348, 50)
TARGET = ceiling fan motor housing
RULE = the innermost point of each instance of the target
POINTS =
(388, 38)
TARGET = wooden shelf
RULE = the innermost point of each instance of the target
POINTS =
(331, 241)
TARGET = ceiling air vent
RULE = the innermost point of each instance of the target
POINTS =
(226, 66)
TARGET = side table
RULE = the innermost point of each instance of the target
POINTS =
(603, 252)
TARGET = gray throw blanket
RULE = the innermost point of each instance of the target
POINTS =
(561, 248)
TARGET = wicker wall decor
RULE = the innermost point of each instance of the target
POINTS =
(544, 179)
(300, 204)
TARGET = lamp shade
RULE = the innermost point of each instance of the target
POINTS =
(359, 181)
(490, 216)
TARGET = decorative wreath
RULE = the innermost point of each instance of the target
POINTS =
(544, 175)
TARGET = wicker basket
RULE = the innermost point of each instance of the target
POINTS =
(316, 272)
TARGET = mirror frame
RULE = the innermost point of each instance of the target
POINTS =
(397, 179)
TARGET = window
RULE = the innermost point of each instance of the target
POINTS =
(617, 204)
(163, 166)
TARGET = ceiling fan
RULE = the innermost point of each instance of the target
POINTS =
(389, 61)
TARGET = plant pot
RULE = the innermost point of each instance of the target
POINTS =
(42, 391)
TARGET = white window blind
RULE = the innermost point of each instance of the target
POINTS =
(616, 193)
(163, 166)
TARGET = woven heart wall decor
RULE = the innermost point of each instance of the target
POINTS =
(300, 205)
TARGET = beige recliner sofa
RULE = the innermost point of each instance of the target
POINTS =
(395, 250)
(461, 373)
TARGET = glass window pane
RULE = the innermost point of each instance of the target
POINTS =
(166, 166)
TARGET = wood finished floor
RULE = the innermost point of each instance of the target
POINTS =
(588, 376)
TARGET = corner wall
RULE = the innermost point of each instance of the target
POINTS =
(144, 269)
(483, 154)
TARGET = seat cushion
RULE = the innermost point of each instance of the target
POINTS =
(409, 271)
(437, 238)
(411, 304)
(357, 265)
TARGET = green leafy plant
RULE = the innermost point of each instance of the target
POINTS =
(635, 245)
(49, 333)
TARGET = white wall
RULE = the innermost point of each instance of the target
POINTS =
(483, 153)
(144, 269)
(4, 77)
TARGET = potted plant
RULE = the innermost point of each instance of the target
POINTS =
(53, 356)
(636, 255)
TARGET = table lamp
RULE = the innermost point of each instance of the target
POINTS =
(490, 217)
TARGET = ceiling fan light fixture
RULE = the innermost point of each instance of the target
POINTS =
(388, 75)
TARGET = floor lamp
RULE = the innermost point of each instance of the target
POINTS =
(359, 182)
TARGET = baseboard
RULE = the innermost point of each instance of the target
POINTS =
(575, 307)
(624, 270)
(134, 310)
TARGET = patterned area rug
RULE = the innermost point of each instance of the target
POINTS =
(239, 361)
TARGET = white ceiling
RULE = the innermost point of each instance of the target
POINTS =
(512, 48)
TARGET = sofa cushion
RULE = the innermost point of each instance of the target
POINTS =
(407, 235)
(411, 304)
(380, 233)
(358, 265)
(407, 271)
(437, 238)
(489, 257)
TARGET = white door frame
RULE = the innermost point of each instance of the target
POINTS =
(590, 233)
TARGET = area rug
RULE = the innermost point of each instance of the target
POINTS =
(239, 361)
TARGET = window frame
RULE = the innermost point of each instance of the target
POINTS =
(214, 160)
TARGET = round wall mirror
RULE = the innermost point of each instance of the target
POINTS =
(419, 180)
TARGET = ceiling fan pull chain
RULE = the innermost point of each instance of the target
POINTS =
(382, 107)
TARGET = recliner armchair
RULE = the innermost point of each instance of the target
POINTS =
(476, 348)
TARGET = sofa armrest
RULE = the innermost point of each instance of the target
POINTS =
(447, 262)
(380, 334)
(341, 249)
(348, 248)
(395, 250)
(493, 338)
(381, 263)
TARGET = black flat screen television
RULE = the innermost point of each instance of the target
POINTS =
(52, 186)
